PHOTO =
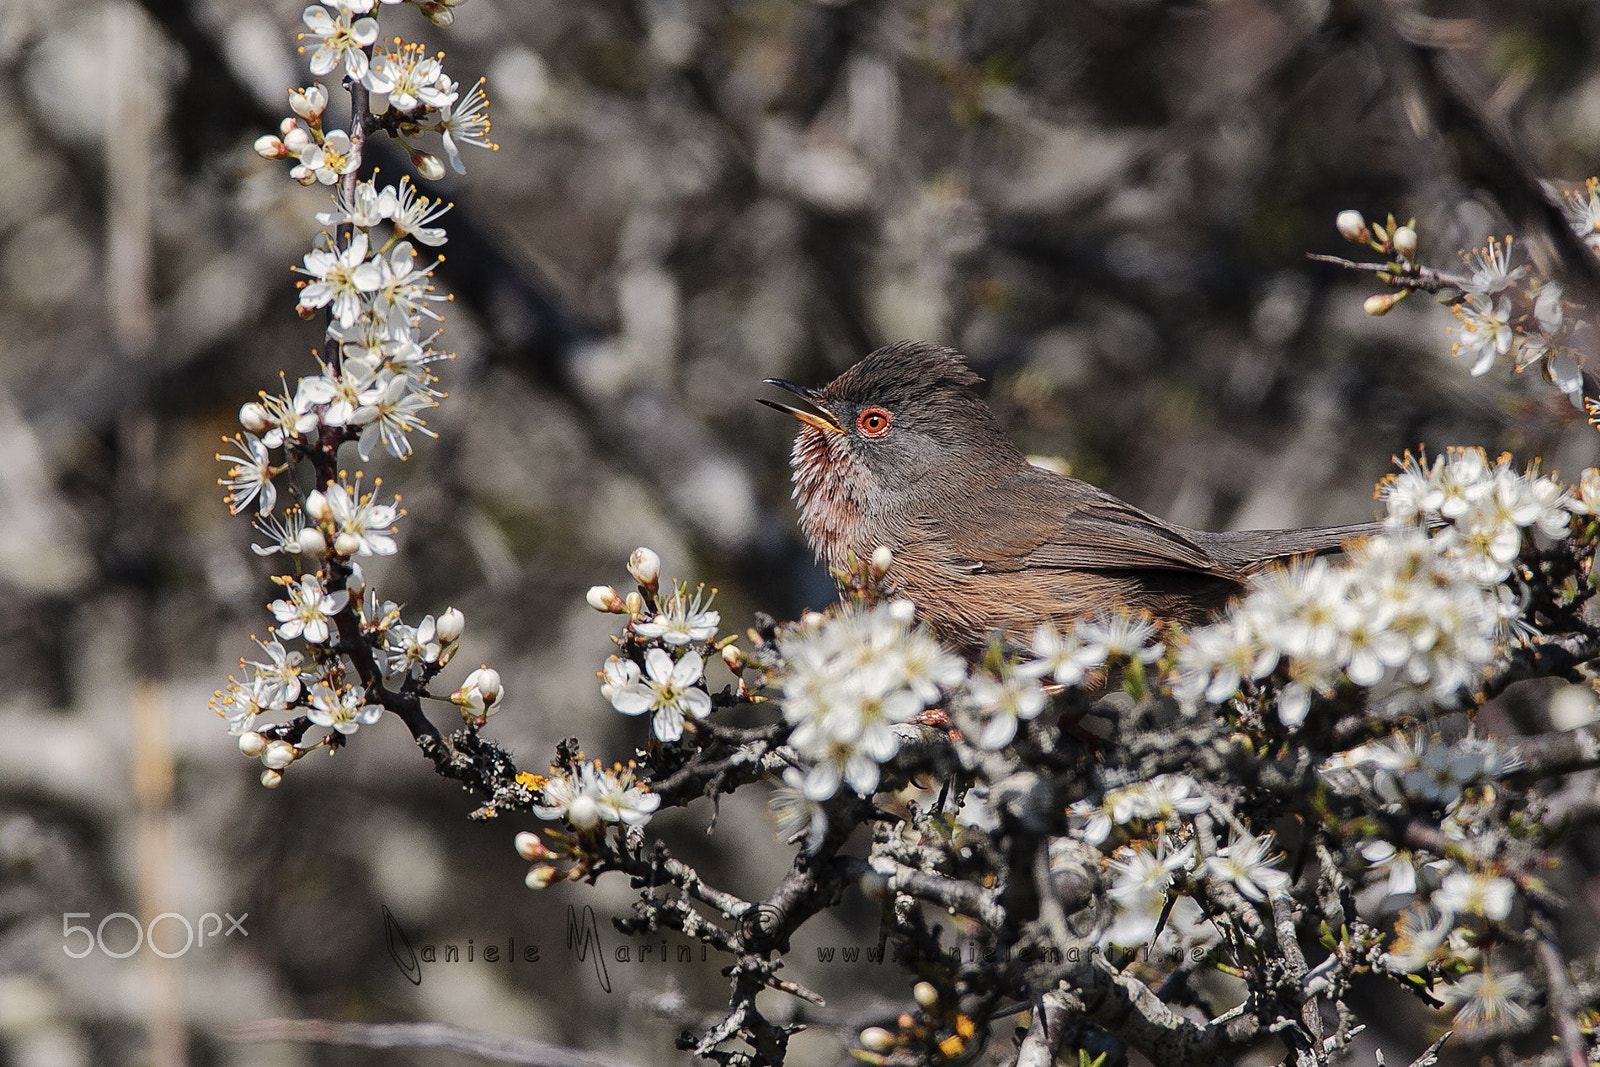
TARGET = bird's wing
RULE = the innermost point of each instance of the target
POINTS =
(1048, 522)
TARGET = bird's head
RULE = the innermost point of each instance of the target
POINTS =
(899, 429)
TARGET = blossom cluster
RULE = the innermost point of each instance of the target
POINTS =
(661, 669)
(1159, 801)
(1502, 310)
(1423, 605)
(1420, 773)
(399, 77)
(589, 795)
(372, 388)
(852, 677)
(1145, 885)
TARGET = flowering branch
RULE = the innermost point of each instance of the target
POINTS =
(1108, 809)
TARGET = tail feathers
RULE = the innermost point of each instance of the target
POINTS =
(1248, 549)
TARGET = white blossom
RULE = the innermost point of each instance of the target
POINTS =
(344, 710)
(307, 611)
(250, 476)
(682, 619)
(339, 39)
(1247, 864)
(668, 690)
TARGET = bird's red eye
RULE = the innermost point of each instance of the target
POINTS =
(874, 422)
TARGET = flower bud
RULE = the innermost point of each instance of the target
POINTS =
(633, 604)
(271, 779)
(584, 814)
(479, 696)
(253, 417)
(270, 146)
(287, 126)
(645, 566)
(347, 543)
(305, 176)
(427, 165)
(530, 846)
(733, 658)
(877, 1039)
(317, 506)
(252, 744)
(1405, 242)
(298, 140)
(356, 584)
(278, 755)
(309, 103)
(311, 541)
(541, 877)
(882, 560)
(450, 625)
(1352, 227)
(605, 598)
(926, 994)
(1380, 303)
(487, 679)
(438, 14)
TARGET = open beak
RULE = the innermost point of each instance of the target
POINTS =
(822, 418)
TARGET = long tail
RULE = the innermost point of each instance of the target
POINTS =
(1248, 549)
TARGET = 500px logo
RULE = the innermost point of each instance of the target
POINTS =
(210, 925)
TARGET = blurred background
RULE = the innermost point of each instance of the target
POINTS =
(1105, 203)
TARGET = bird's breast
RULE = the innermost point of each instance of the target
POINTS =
(833, 491)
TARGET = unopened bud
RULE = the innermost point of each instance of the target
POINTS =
(440, 15)
(356, 584)
(584, 813)
(877, 1039)
(450, 625)
(479, 696)
(271, 147)
(926, 994)
(645, 566)
(252, 744)
(317, 506)
(541, 877)
(287, 126)
(605, 598)
(253, 417)
(311, 541)
(271, 779)
(487, 679)
(1352, 227)
(427, 165)
(278, 755)
(297, 139)
(733, 658)
(882, 560)
(530, 846)
(309, 103)
(1380, 303)
(305, 176)
(633, 604)
(347, 543)
(1405, 242)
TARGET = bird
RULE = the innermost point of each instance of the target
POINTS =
(900, 452)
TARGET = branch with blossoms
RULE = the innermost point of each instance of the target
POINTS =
(337, 655)
(1503, 308)
(1184, 844)
(1214, 814)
